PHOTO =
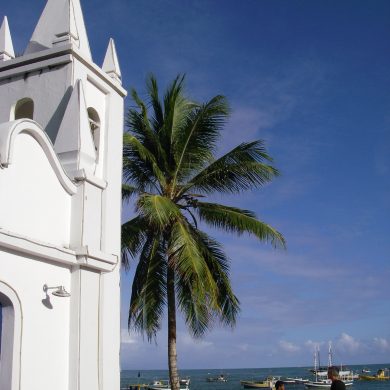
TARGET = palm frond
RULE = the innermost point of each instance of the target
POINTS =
(185, 257)
(148, 296)
(200, 314)
(195, 143)
(241, 169)
(218, 263)
(132, 148)
(152, 87)
(238, 221)
(128, 191)
(158, 210)
(133, 238)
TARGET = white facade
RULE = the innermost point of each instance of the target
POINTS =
(61, 122)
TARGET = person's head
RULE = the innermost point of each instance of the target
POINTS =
(333, 373)
(279, 385)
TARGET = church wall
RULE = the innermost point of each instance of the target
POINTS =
(45, 321)
(37, 195)
(109, 105)
(47, 87)
(111, 243)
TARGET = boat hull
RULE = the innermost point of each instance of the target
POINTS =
(324, 385)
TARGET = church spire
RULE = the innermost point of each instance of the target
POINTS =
(61, 23)
(6, 47)
(111, 63)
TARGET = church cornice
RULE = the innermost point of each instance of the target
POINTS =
(54, 57)
(84, 256)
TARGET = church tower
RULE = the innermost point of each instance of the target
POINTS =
(61, 124)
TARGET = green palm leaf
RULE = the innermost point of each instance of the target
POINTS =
(158, 210)
(240, 169)
(238, 221)
(148, 296)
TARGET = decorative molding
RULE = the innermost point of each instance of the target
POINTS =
(58, 56)
(82, 176)
(8, 133)
(84, 256)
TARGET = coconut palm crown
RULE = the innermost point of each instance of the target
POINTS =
(169, 168)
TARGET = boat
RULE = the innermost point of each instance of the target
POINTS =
(324, 384)
(297, 381)
(219, 378)
(165, 384)
(267, 383)
(381, 375)
(366, 370)
(322, 380)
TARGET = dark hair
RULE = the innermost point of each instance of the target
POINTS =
(278, 384)
(333, 372)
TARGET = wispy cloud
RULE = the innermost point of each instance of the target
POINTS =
(288, 346)
(347, 343)
(382, 344)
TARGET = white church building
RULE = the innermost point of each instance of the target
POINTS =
(61, 124)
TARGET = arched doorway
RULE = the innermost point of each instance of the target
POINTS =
(10, 338)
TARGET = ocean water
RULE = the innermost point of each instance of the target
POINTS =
(234, 376)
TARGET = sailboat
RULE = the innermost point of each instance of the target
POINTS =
(322, 380)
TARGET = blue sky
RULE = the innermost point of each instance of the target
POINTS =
(311, 78)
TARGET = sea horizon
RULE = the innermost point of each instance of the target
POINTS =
(198, 376)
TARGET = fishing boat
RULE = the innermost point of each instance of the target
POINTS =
(268, 383)
(165, 384)
(381, 375)
(219, 378)
(297, 381)
(322, 380)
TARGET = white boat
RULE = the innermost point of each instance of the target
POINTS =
(219, 378)
(165, 384)
(322, 380)
(296, 380)
(324, 384)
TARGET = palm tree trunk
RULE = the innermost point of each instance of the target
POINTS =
(172, 354)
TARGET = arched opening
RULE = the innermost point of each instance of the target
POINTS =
(24, 108)
(6, 342)
(10, 338)
(94, 123)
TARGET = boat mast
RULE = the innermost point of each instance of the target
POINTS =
(330, 363)
(316, 361)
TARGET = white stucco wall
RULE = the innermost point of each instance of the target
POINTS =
(45, 331)
(59, 228)
(32, 193)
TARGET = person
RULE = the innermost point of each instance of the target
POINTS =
(279, 385)
(337, 384)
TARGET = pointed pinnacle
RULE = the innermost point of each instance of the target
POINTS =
(6, 46)
(111, 63)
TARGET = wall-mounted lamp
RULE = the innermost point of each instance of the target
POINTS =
(59, 292)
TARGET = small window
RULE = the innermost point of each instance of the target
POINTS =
(94, 123)
(24, 108)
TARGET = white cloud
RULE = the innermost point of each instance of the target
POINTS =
(127, 338)
(287, 346)
(243, 347)
(382, 344)
(312, 345)
(186, 340)
(347, 343)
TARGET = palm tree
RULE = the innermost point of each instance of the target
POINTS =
(169, 166)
